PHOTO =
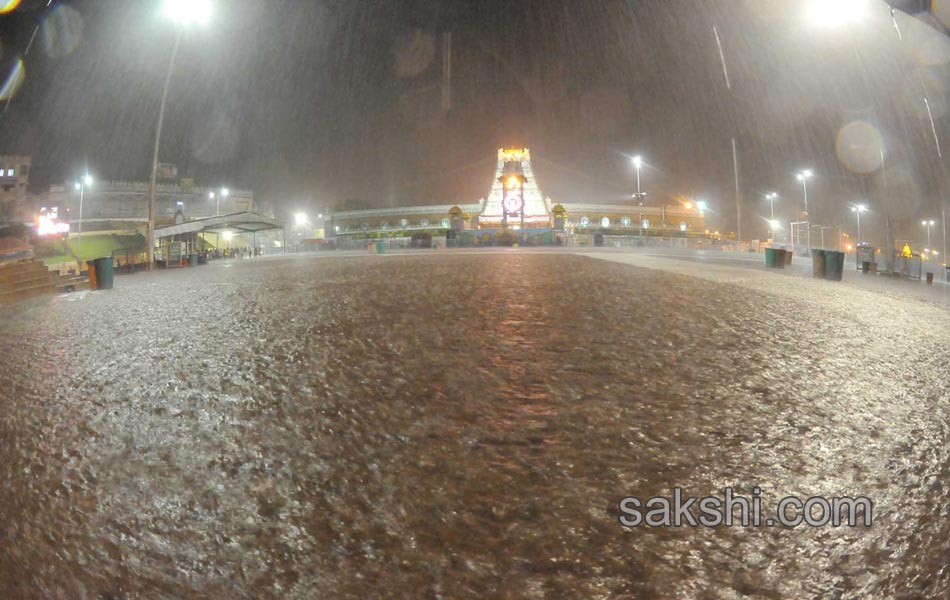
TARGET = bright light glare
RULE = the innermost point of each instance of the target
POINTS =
(300, 219)
(46, 225)
(637, 161)
(77, 186)
(775, 224)
(701, 205)
(225, 192)
(8, 6)
(805, 174)
(859, 208)
(831, 14)
(187, 12)
(87, 180)
(227, 235)
(210, 195)
(513, 182)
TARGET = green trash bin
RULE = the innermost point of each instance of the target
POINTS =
(775, 258)
(193, 260)
(103, 267)
(380, 247)
(834, 265)
(818, 264)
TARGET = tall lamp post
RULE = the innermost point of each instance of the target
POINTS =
(637, 163)
(81, 187)
(928, 225)
(183, 13)
(804, 175)
(857, 209)
(771, 196)
(224, 193)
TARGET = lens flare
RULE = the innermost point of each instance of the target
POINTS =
(13, 81)
(860, 147)
(8, 6)
(61, 31)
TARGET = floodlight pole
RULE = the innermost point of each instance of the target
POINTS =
(150, 237)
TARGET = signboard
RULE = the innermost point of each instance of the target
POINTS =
(166, 172)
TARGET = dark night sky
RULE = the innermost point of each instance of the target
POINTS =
(308, 102)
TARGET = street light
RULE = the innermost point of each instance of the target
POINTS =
(702, 206)
(637, 164)
(857, 209)
(837, 13)
(300, 219)
(184, 13)
(928, 225)
(804, 175)
(225, 192)
(81, 187)
(771, 196)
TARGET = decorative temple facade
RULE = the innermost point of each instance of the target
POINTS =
(537, 209)
(515, 202)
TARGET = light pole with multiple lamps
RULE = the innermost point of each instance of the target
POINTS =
(183, 13)
(224, 193)
(80, 186)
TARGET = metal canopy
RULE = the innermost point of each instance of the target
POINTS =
(244, 222)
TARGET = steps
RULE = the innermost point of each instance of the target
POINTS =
(26, 279)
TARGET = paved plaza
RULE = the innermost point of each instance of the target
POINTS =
(463, 425)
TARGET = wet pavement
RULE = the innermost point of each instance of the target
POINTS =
(463, 426)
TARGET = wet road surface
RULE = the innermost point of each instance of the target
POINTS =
(463, 426)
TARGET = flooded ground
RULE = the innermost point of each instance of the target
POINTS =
(463, 426)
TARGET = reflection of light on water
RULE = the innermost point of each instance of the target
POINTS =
(8, 6)
(13, 81)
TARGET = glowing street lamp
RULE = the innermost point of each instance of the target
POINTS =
(857, 209)
(771, 196)
(183, 13)
(804, 175)
(928, 225)
(637, 164)
(80, 186)
(300, 219)
(225, 192)
(836, 13)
